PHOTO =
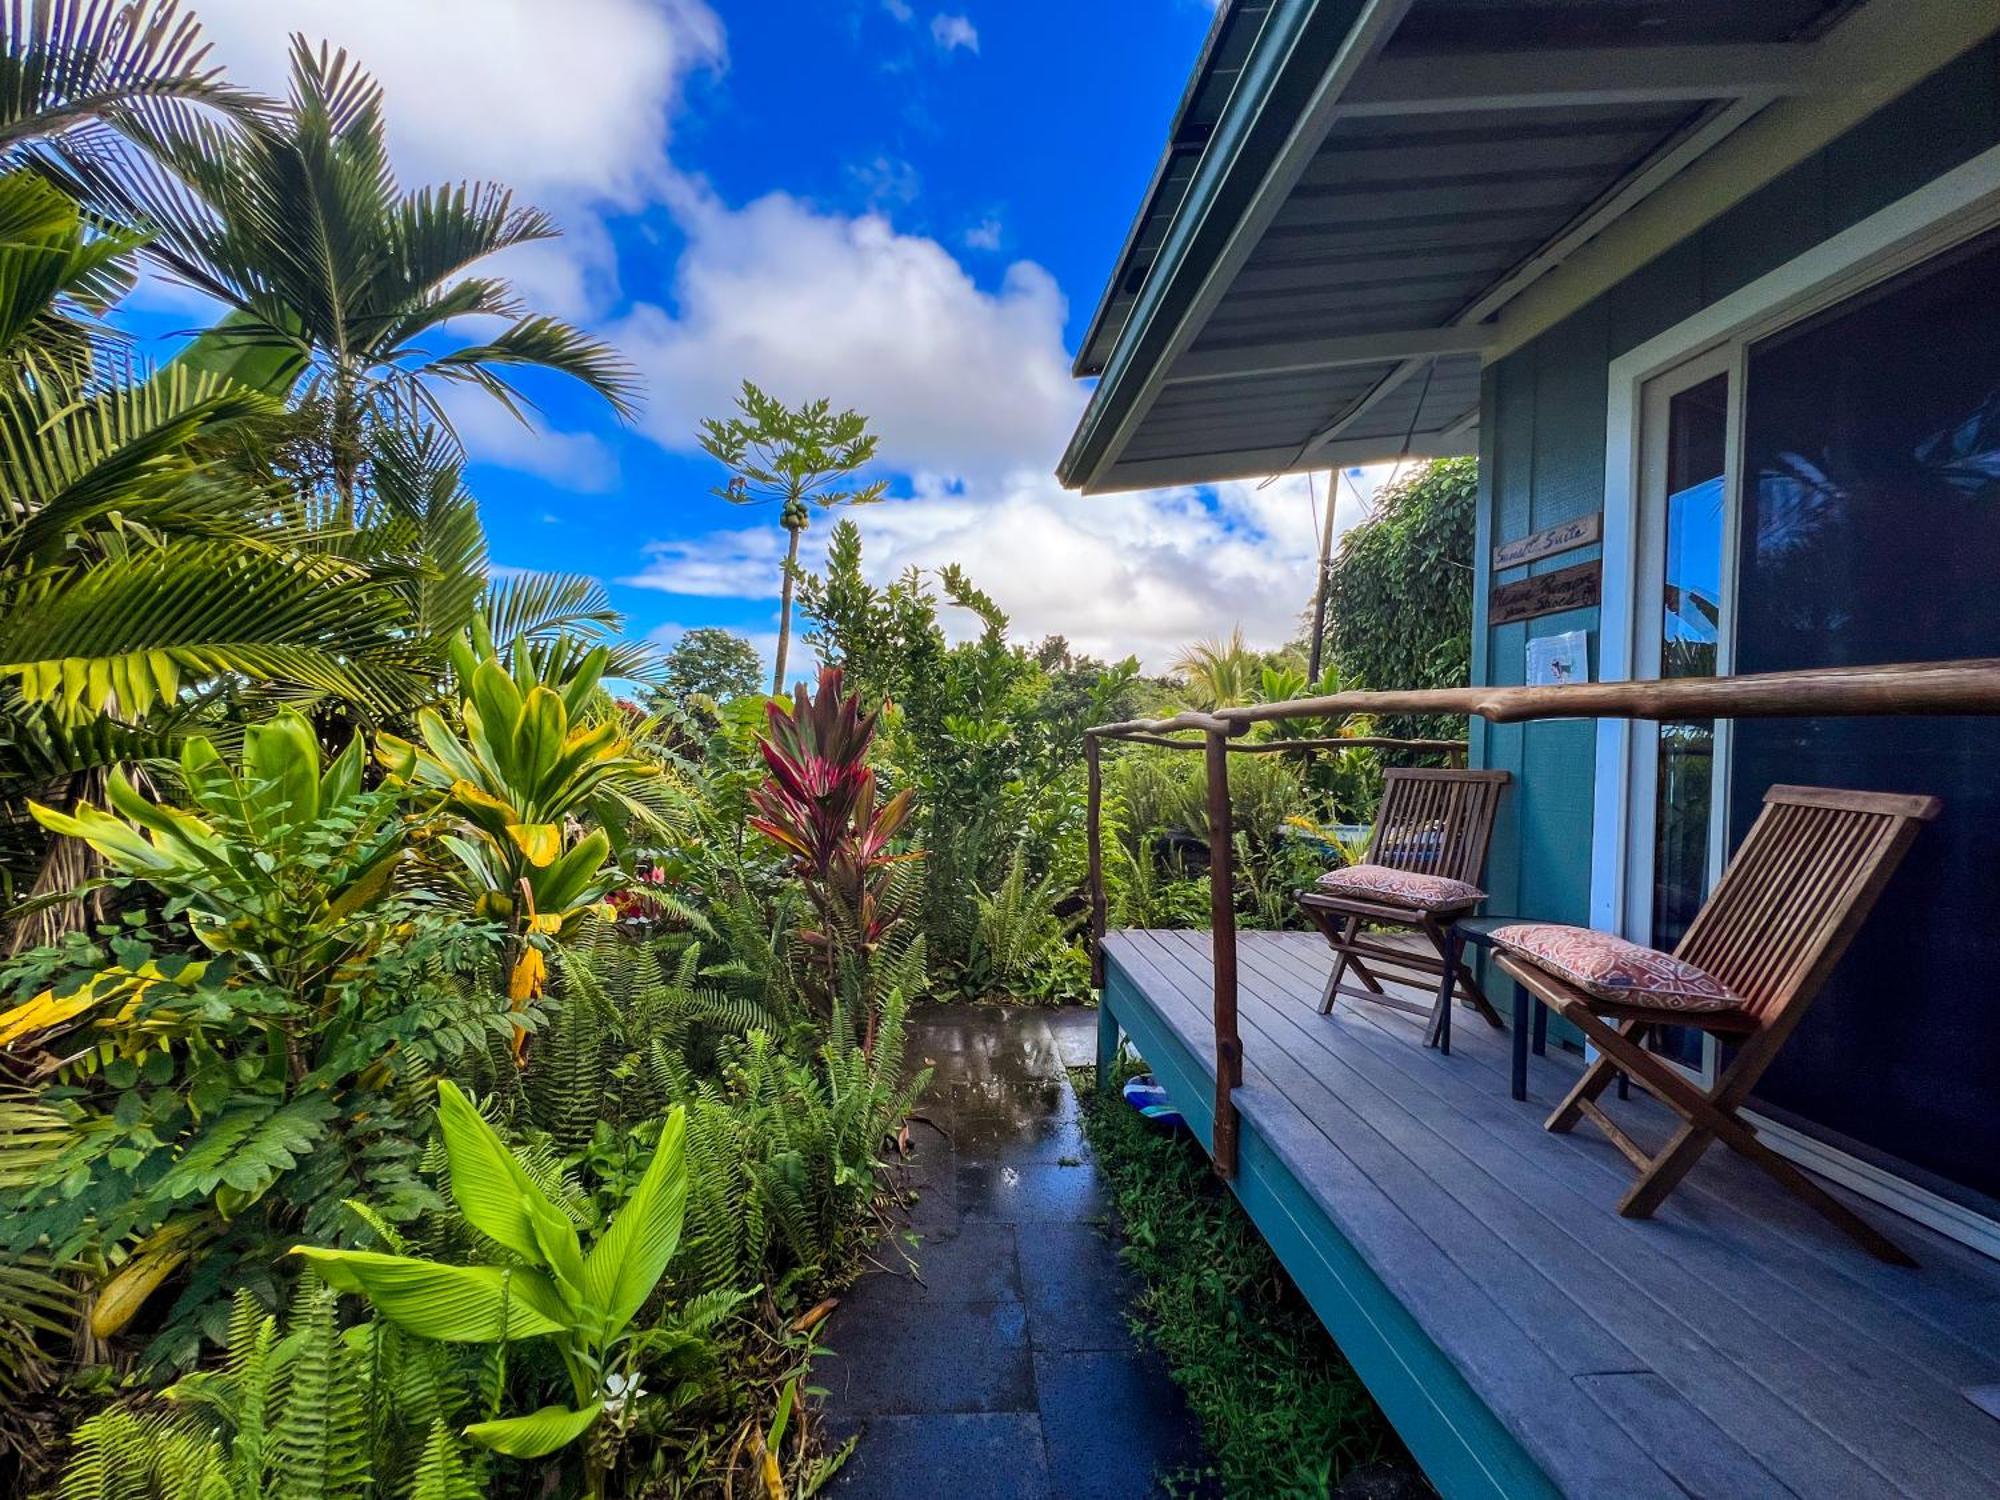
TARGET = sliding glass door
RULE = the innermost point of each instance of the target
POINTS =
(1869, 531)
(1825, 491)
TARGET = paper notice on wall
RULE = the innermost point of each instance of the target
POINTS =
(1556, 659)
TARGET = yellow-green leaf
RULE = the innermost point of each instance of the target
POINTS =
(537, 1434)
(540, 842)
(452, 1304)
(492, 1191)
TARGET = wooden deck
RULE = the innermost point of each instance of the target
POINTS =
(1524, 1338)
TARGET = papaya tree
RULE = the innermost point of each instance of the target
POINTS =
(799, 458)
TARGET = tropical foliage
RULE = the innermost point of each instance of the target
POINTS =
(312, 834)
(423, 1072)
(347, 329)
(1399, 591)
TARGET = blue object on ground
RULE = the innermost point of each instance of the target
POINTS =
(1146, 1096)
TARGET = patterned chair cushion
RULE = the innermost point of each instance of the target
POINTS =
(1400, 887)
(1613, 969)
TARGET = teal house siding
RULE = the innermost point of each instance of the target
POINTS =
(1542, 434)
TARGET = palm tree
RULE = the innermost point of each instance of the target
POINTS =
(1220, 674)
(144, 571)
(799, 457)
(67, 66)
(343, 288)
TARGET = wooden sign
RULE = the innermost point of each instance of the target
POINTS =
(1580, 532)
(1546, 594)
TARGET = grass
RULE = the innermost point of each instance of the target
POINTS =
(1282, 1412)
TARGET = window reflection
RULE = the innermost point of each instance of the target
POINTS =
(1690, 613)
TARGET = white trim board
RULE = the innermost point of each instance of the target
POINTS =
(1947, 211)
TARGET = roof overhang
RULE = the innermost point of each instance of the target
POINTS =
(1364, 201)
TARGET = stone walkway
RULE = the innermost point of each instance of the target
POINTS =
(1002, 1367)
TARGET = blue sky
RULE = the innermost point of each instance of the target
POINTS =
(908, 208)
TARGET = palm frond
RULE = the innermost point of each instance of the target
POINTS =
(67, 63)
(122, 460)
(130, 631)
(534, 606)
(426, 521)
(550, 344)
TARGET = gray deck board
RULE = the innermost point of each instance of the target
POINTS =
(1733, 1345)
(1794, 1345)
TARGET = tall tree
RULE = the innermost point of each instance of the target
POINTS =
(344, 288)
(799, 457)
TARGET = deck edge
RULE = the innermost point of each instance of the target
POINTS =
(1465, 1449)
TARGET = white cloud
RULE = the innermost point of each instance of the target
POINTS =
(970, 391)
(959, 381)
(735, 564)
(575, 460)
(570, 106)
(953, 32)
(985, 235)
(899, 9)
(886, 179)
(561, 102)
(1137, 573)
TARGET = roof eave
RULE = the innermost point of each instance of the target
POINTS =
(1177, 145)
(1297, 43)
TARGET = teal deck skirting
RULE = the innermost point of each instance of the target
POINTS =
(1463, 1447)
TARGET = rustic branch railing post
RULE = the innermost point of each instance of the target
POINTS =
(1094, 843)
(1222, 942)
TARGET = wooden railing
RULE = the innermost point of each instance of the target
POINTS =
(1951, 687)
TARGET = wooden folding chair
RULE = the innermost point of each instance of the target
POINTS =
(1784, 912)
(1434, 826)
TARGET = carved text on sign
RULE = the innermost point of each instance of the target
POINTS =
(1580, 531)
(1546, 594)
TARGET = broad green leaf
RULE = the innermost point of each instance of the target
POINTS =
(561, 1251)
(116, 840)
(495, 1195)
(176, 833)
(452, 1304)
(249, 351)
(343, 776)
(281, 762)
(537, 1434)
(629, 1258)
(563, 883)
(539, 733)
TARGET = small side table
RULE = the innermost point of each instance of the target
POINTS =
(1529, 1013)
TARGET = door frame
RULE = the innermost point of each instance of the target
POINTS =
(1946, 212)
(1643, 609)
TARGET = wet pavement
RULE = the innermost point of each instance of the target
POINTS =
(1000, 1366)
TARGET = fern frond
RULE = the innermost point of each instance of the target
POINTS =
(319, 1442)
(446, 1471)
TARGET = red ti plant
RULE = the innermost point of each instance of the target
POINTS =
(819, 805)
